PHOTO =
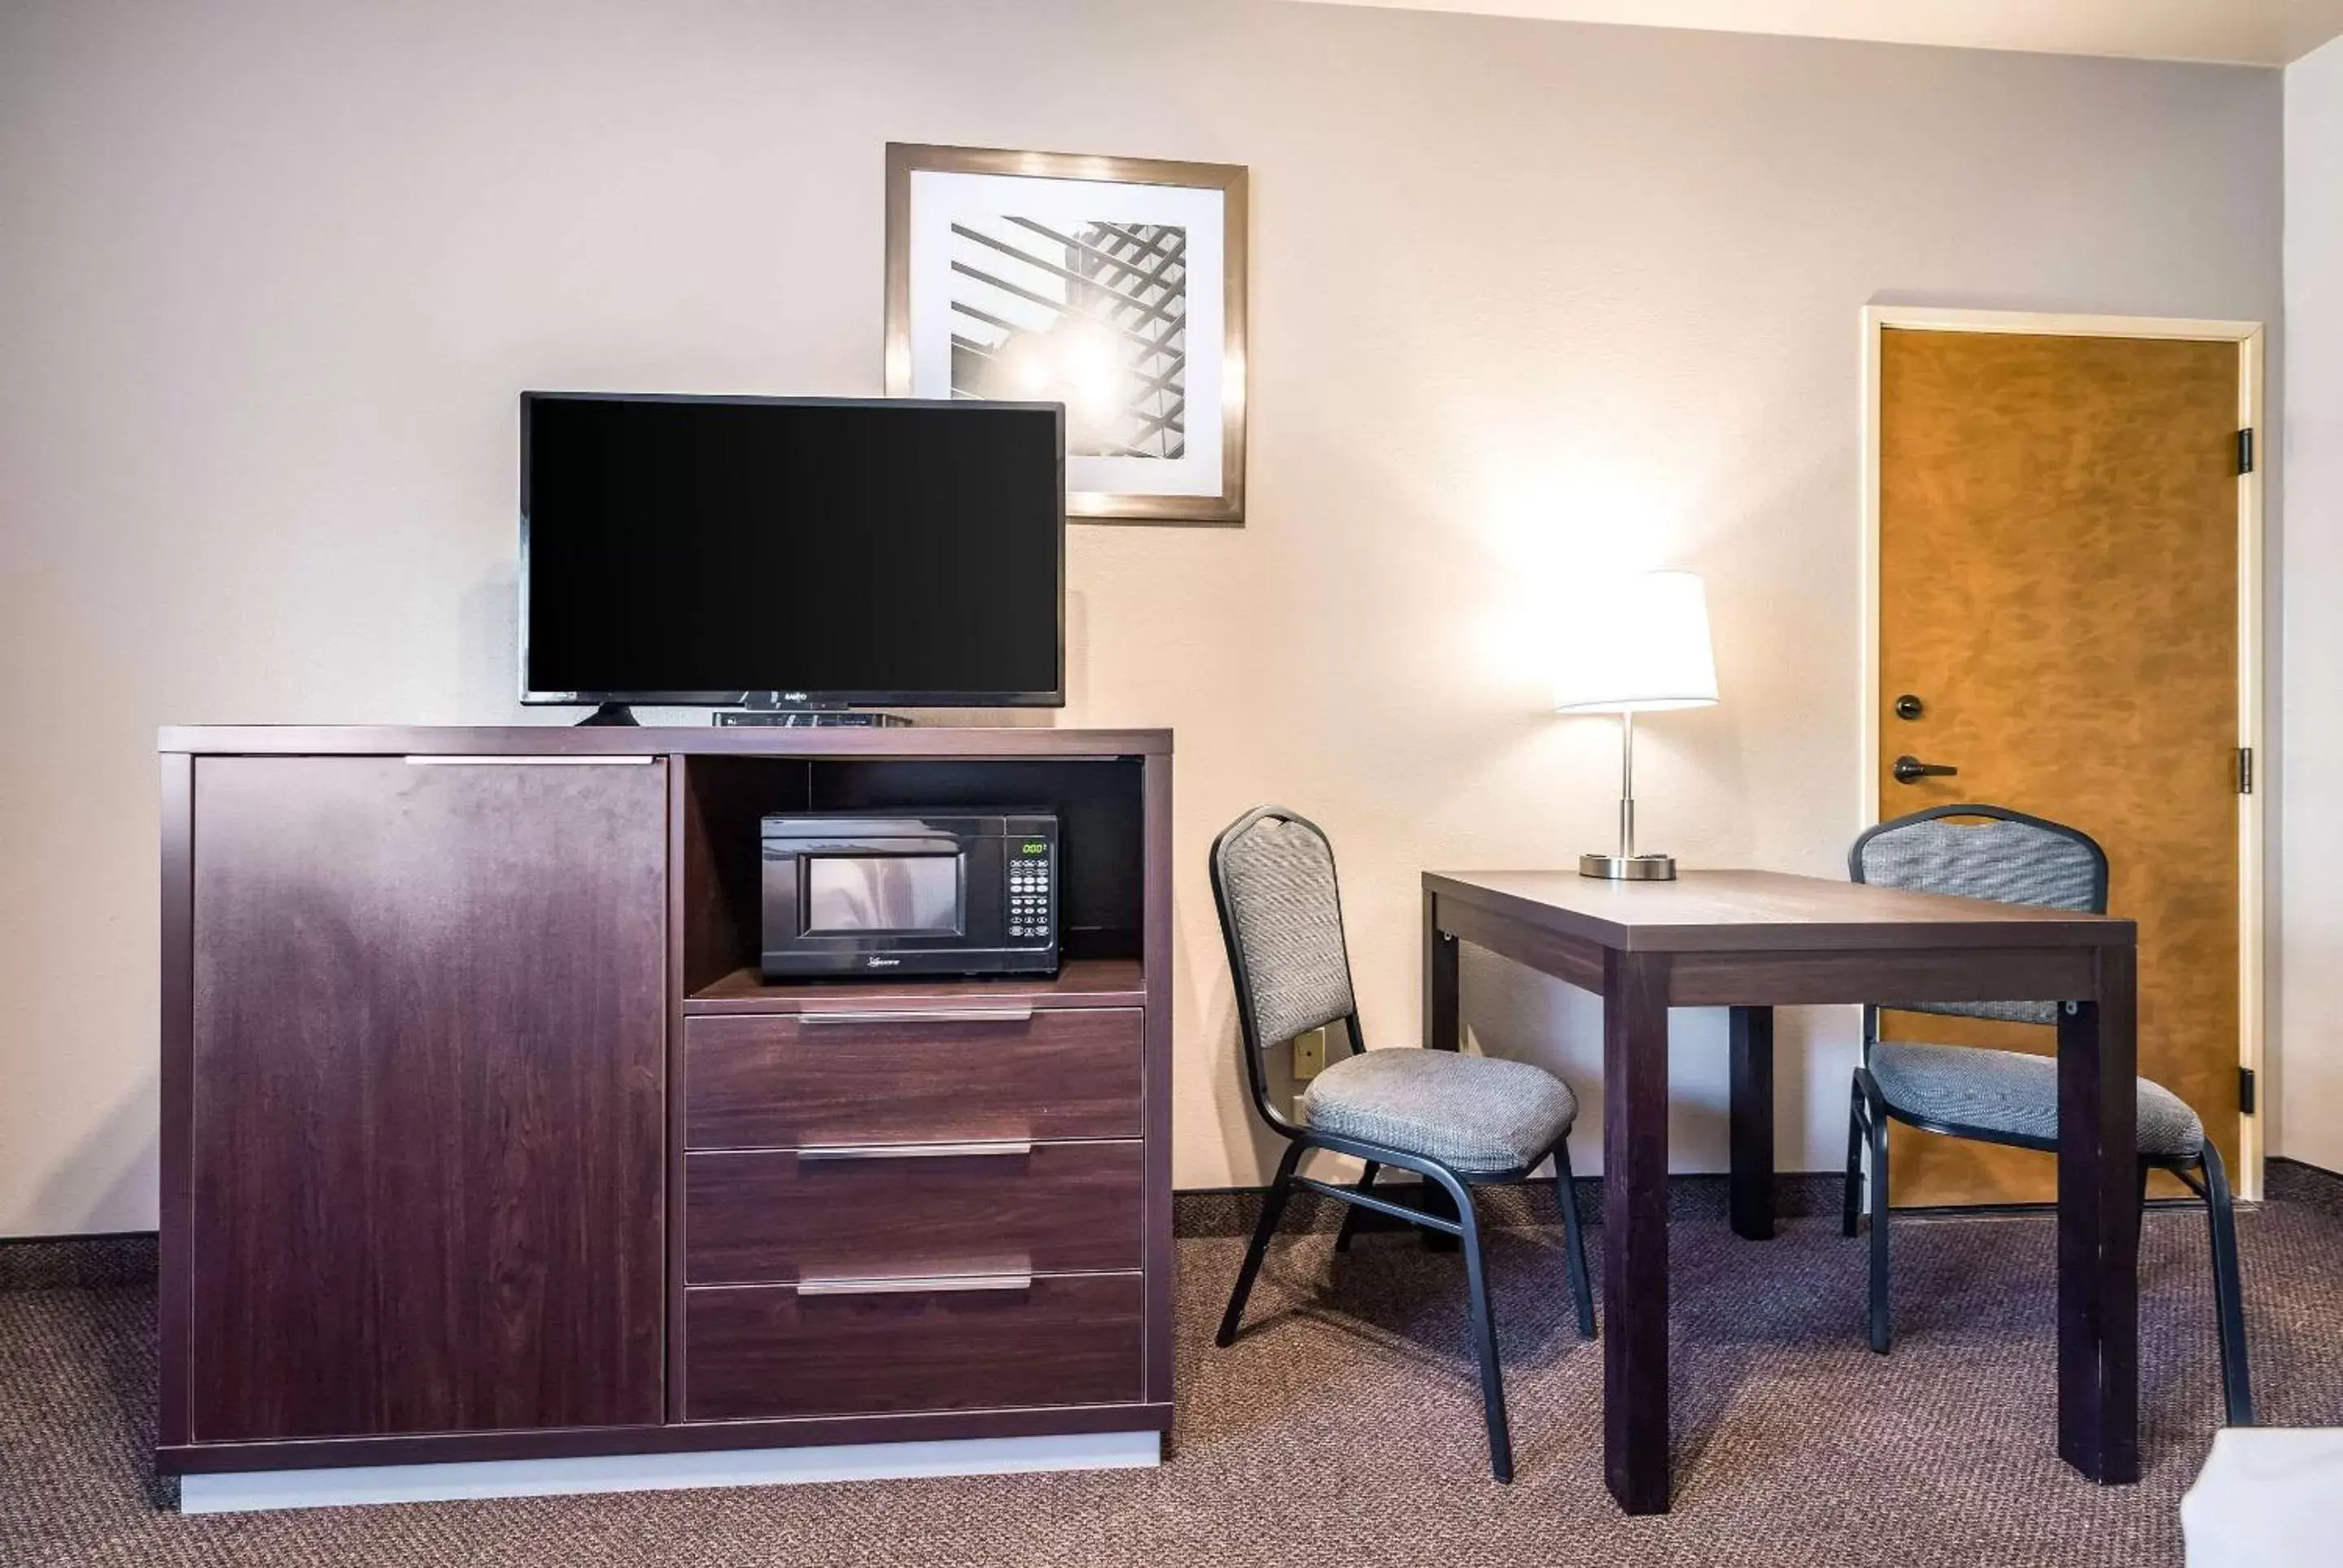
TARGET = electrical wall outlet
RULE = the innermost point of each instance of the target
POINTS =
(1309, 1055)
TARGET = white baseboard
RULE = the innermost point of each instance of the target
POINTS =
(249, 1491)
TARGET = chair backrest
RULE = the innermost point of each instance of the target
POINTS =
(2006, 856)
(1282, 918)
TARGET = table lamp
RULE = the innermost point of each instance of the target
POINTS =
(1640, 648)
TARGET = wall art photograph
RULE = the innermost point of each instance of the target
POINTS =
(1113, 285)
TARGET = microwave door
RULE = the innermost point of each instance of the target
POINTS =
(850, 894)
(908, 895)
(858, 894)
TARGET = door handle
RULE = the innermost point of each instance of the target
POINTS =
(1910, 770)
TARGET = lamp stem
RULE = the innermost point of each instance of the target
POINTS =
(1627, 786)
(1626, 866)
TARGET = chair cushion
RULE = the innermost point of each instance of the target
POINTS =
(2010, 1093)
(1471, 1113)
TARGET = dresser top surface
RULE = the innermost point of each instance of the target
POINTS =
(912, 741)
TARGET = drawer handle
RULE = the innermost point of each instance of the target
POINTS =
(912, 1150)
(907, 1015)
(914, 1284)
(435, 759)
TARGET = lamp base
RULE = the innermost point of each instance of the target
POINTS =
(1629, 868)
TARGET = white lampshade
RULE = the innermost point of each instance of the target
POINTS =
(1636, 647)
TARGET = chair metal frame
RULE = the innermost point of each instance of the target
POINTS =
(1456, 1184)
(1870, 1111)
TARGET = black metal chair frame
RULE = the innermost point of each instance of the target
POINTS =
(1456, 1184)
(1870, 1111)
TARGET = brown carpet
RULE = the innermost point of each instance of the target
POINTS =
(1343, 1429)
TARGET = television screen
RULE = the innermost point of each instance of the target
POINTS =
(703, 549)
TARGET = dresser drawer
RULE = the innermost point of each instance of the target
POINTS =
(784, 1080)
(769, 1215)
(755, 1351)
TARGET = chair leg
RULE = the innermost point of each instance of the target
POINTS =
(2139, 1206)
(1882, 1328)
(1484, 1333)
(1272, 1207)
(1581, 1289)
(1851, 1218)
(2228, 1295)
(1351, 1212)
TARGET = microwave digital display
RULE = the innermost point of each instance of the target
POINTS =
(882, 893)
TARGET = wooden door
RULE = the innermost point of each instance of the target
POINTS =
(427, 1079)
(2059, 591)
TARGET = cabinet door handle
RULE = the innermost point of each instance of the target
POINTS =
(915, 1284)
(922, 1015)
(912, 1150)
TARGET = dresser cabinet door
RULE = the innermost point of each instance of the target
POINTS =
(426, 1089)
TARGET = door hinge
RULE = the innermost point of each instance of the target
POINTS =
(2245, 770)
(2245, 451)
(2245, 1091)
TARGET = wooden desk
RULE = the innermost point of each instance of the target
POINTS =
(1751, 940)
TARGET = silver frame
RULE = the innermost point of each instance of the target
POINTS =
(905, 158)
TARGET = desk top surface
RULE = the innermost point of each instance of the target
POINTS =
(1710, 911)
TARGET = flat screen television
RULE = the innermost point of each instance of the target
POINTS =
(791, 551)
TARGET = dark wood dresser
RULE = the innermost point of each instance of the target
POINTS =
(485, 1138)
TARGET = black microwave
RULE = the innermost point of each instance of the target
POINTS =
(970, 892)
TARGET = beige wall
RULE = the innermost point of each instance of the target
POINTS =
(2307, 1061)
(1529, 300)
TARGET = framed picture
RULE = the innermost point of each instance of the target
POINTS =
(1113, 285)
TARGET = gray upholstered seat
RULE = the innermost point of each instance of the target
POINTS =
(1472, 1113)
(2011, 1093)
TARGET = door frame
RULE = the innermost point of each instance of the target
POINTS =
(1879, 319)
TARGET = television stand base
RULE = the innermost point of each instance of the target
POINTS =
(811, 719)
(610, 713)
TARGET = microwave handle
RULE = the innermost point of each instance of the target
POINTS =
(921, 1015)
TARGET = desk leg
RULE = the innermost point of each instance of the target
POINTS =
(1750, 1188)
(1635, 1229)
(2098, 1241)
(1443, 1027)
(1442, 1030)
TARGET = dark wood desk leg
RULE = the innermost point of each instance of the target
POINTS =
(1750, 1188)
(1635, 1229)
(1442, 1012)
(2098, 1244)
(1442, 1030)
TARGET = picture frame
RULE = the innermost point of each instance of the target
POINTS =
(1115, 286)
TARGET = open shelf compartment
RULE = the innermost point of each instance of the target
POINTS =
(717, 802)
